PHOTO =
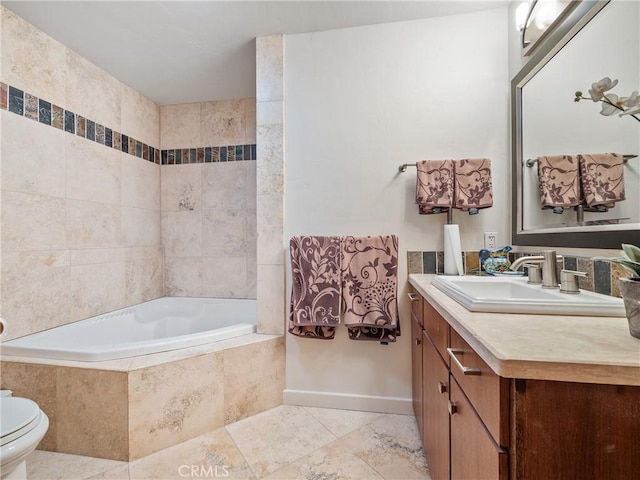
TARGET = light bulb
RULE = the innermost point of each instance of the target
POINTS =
(521, 15)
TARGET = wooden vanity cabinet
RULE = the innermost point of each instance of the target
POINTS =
(416, 357)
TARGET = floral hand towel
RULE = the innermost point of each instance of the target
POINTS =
(316, 288)
(472, 186)
(559, 181)
(369, 268)
(434, 186)
(602, 178)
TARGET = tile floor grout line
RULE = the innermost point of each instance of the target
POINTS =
(345, 434)
(238, 449)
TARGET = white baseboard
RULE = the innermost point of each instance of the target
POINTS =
(344, 401)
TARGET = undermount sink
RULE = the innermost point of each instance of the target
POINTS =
(515, 295)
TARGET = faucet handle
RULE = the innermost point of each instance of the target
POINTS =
(534, 273)
(569, 281)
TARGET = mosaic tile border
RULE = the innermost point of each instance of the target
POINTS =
(15, 100)
(602, 276)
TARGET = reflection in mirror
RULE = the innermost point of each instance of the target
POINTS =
(542, 17)
(549, 122)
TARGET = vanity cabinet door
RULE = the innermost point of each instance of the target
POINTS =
(474, 454)
(437, 329)
(436, 416)
(416, 372)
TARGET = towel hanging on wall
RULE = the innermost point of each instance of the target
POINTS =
(369, 267)
(473, 189)
(559, 182)
(434, 186)
(602, 180)
(316, 286)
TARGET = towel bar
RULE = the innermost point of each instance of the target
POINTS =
(403, 167)
(532, 161)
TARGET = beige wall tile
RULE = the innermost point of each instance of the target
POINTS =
(91, 256)
(143, 279)
(182, 233)
(183, 276)
(270, 113)
(181, 187)
(92, 92)
(174, 402)
(32, 60)
(253, 379)
(270, 227)
(270, 162)
(270, 68)
(224, 233)
(35, 291)
(140, 227)
(180, 126)
(223, 123)
(252, 233)
(250, 125)
(33, 157)
(225, 185)
(88, 293)
(271, 311)
(92, 224)
(38, 383)
(92, 413)
(140, 117)
(93, 171)
(32, 222)
(224, 277)
(251, 185)
(252, 277)
(140, 184)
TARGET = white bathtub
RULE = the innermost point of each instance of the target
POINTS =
(160, 325)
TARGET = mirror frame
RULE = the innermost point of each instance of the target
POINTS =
(577, 18)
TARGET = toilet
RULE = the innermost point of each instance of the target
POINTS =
(22, 426)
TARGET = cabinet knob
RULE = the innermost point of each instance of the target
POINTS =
(418, 341)
(453, 408)
(442, 387)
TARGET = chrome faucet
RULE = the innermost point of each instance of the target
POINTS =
(549, 260)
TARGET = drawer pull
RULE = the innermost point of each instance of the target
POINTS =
(442, 387)
(453, 408)
(465, 370)
(413, 297)
(418, 341)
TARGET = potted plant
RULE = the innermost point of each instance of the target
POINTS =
(630, 287)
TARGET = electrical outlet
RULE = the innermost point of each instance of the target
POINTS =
(490, 239)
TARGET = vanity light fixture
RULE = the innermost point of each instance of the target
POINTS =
(522, 12)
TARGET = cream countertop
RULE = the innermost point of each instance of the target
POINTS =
(543, 347)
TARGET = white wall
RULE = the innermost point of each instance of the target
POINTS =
(359, 102)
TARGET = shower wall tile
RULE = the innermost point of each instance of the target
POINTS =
(92, 256)
(143, 274)
(224, 277)
(225, 186)
(253, 379)
(181, 188)
(271, 309)
(140, 183)
(183, 276)
(91, 224)
(33, 157)
(140, 117)
(140, 227)
(88, 293)
(251, 183)
(224, 232)
(270, 68)
(160, 417)
(35, 292)
(36, 62)
(93, 172)
(252, 234)
(92, 91)
(250, 120)
(182, 233)
(270, 176)
(270, 225)
(87, 399)
(180, 125)
(252, 277)
(222, 123)
(32, 222)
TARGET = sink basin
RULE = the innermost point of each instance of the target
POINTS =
(515, 295)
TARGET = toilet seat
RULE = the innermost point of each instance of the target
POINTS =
(19, 417)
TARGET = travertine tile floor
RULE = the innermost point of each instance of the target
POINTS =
(286, 442)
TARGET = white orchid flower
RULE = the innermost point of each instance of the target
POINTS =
(631, 101)
(597, 89)
(631, 111)
(609, 109)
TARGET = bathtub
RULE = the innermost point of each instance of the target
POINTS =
(164, 324)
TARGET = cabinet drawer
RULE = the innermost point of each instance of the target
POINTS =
(487, 392)
(474, 455)
(416, 305)
(437, 329)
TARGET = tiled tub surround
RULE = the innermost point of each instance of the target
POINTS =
(128, 408)
(602, 276)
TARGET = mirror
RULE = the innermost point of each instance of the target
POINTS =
(597, 39)
(543, 17)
